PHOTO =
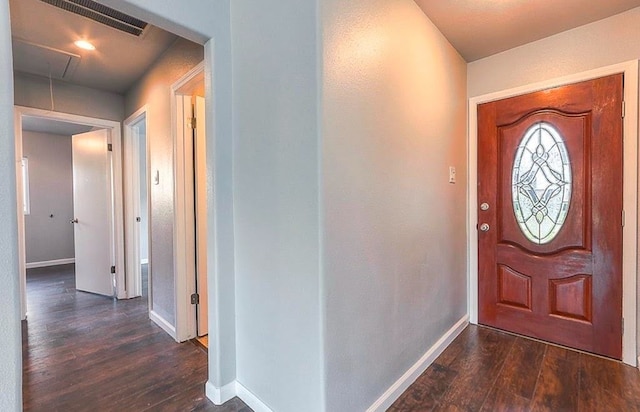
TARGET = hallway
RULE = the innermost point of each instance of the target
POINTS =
(83, 352)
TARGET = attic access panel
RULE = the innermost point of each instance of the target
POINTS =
(42, 60)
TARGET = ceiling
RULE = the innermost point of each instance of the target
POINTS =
(480, 28)
(44, 34)
(43, 37)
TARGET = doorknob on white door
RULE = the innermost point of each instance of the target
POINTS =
(74, 220)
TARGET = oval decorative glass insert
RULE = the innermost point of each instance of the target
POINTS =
(541, 183)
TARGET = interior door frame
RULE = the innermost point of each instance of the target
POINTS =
(116, 164)
(630, 195)
(131, 161)
(184, 245)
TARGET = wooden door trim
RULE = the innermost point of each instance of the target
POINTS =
(630, 184)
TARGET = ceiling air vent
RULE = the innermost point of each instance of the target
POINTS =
(101, 14)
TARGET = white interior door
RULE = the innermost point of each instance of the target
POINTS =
(93, 220)
(201, 214)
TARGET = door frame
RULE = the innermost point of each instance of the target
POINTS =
(116, 164)
(131, 161)
(630, 195)
(184, 244)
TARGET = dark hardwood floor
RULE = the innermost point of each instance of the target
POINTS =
(83, 352)
(487, 370)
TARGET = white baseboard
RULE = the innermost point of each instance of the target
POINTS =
(46, 263)
(221, 395)
(250, 399)
(638, 364)
(163, 323)
(410, 376)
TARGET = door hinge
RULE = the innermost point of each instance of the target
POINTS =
(193, 122)
(113, 269)
(623, 326)
(624, 108)
(623, 218)
(109, 147)
(195, 299)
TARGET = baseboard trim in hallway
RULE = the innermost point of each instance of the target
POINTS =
(221, 395)
(393, 393)
(163, 323)
(47, 263)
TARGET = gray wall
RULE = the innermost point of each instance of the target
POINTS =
(394, 120)
(10, 335)
(154, 90)
(33, 91)
(276, 202)
(51, 193)
(606, 42)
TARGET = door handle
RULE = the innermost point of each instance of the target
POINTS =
(74, 220)
(484, 227)
(484, 207)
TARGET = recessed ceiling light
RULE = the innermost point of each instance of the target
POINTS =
(83, 44)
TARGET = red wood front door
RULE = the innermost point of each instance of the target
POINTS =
(550, 215)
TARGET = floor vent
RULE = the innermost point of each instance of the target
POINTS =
(101, 14)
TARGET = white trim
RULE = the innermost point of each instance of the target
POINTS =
(26, 198)
(250, 399)
(184, 243)
(163, 323)
(132, 178)
(115, 133)
(629, 262)
(410, 376)
(221, 395)
(46, 263)
(144, 261)
(22, 255)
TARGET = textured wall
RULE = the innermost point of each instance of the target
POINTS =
(51, 193)
(394, 120)
(154, 90)
(33, 91)
(276, 208)
(10, 335)
(605, 42)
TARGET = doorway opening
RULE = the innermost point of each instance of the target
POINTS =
(191, 206)
(136, 188)
(95, 145)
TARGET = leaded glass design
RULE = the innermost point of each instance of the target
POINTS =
(541, 183)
